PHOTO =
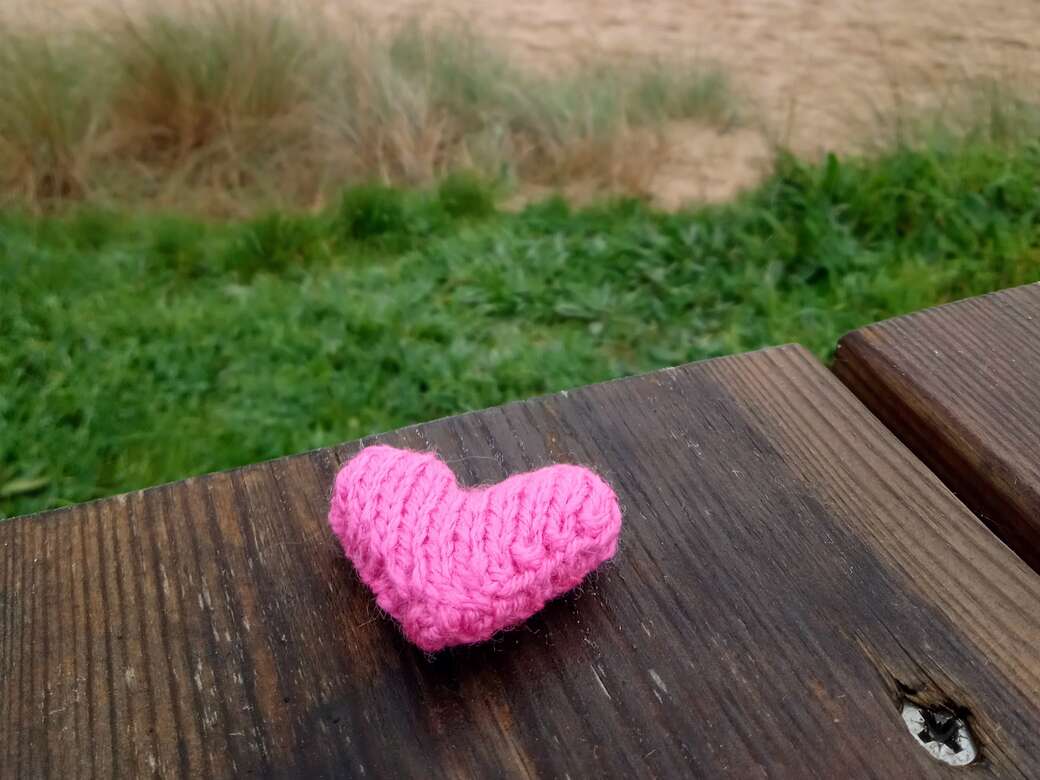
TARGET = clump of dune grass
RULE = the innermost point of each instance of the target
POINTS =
(50, 117)
(232, 107)
(213, 94)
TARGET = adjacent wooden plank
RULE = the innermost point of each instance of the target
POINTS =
(788, 574)
(960, 385)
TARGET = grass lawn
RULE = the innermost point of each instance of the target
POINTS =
(140, 349)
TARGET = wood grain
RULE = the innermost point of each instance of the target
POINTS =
(788, 573)
(960, 385)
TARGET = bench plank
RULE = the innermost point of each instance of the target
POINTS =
(960, 385)
(787, 574)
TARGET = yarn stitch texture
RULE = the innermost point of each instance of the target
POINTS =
(454, 565)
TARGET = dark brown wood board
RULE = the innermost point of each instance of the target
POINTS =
(787, 573)
(960, 385)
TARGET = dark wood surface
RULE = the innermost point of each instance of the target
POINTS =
(960, 385)
(787, 573)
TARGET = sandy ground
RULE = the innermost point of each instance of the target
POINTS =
(816, 75)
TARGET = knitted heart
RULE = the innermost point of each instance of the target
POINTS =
(455, 565)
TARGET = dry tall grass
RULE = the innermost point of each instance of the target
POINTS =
(229, 107)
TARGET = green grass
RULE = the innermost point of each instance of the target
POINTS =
(142, 349)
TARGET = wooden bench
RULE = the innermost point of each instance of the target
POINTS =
(960, 385)
(790, 582)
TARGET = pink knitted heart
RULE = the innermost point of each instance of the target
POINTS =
(455, 565)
